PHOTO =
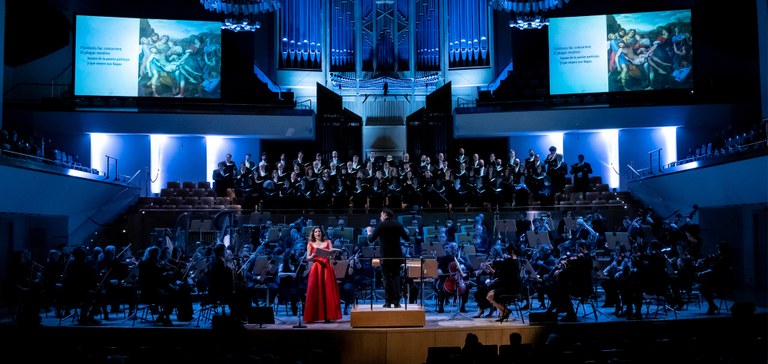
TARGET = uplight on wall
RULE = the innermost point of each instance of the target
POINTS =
(156, 146)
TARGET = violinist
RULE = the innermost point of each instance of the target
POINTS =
(572, 276)
(260, 273)
(112, 272)
(155, 287)
(612, 278)
(543, 262)
(683, 273)
(452, 282)
(506, 273)
(290, 271)
(221, 283)
(26, 277)
(483, 278)
(351, 278)
(80, 282)
(715, 276)
(53, 271)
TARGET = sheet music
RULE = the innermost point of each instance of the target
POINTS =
(325, 253)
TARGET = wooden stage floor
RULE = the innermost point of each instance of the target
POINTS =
(290, 340)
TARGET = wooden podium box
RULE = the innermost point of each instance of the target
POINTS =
(364, 316)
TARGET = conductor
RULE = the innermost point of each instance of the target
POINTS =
(389, 232)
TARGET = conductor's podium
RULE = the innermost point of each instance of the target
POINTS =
(365, 316)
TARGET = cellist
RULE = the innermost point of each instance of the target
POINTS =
(452, 282)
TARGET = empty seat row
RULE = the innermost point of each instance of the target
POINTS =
(188, 185)
(195, 192)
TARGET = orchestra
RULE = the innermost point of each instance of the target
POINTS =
(273, 270)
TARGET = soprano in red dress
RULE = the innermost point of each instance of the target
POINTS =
(322, 302)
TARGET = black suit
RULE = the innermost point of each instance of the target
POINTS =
(581, 172)
(389, 232)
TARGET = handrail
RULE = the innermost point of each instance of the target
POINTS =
(500, 77)
(460, 101)
(274, 87)
(62, 72)
(304, 102)
(46, 161)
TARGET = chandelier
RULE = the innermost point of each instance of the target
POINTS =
(240, 15)
(524, 22)
(527, 11)
(526, 6)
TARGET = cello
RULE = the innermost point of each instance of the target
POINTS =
(454, 283)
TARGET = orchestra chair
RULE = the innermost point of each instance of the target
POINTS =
(513, 302)
(581, 302)
(208, 310)
(689, 295)
(144, 310)
(429, 276)
(660, 302)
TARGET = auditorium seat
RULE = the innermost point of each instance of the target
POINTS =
(167, 192)
(188, 185)
(592, 195)
(198, 192)
(442, 354)
(595, 180)
(206, 201)
(173, 184)
(223, 201)
(204, 185)
(602, 187)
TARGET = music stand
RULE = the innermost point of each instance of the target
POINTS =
(463, 237)
(506, 226)
(346, 234)
(570, 222)
(305, 231)
(371, 252)
(536, 238)
(340, 268)
(362, 240)
(273, 235)
(476, 259)
(427, 273)
(431, 230)
(435, 249)
(469, 249)
(350, 248)
(260, 265)
(617, 239)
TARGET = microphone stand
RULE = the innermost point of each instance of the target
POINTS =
(300, 324)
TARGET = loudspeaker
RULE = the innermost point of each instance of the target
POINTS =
(542, 318)
(260, 315)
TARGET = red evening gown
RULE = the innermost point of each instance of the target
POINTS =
(323, 301)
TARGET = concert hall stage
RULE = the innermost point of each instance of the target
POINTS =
(290, 340)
